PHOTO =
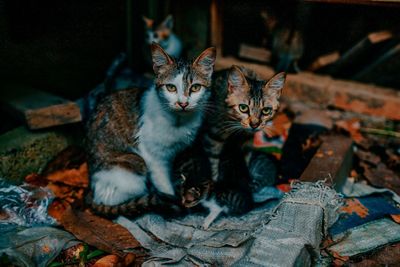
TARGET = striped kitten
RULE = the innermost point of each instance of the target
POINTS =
(135, 134)
(244, 104)
(230, 195)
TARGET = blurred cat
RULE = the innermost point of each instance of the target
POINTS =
(134, 135)
(285, 41)
(163, 35)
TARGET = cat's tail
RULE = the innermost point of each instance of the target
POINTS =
(136, 207)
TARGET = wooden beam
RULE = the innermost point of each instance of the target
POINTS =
(39, 109)
(326, 91)
(332, 161)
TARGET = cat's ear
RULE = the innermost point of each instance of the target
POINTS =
(148, 22)
(274, 86)
(160, 57)
(168, 22)
(205, 62)
(236, 80)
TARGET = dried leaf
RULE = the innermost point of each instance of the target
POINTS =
(70, 158)
(57, 209)
(107, 261)
(36, 179)
(353, 205)
(98, 232)
(73, 177)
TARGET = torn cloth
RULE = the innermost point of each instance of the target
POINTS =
(277, 234)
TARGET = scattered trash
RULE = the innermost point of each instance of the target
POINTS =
(25, 205)
(36, 246)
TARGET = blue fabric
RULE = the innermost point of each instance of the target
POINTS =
(368, 209)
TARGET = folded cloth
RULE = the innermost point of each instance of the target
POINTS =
(280, 233)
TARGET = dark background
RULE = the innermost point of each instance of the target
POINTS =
(65, 47)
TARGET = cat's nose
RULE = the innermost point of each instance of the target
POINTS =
(254, 125)
(183, 105)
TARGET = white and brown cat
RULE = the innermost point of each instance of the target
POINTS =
(163, 35)
(134, 135)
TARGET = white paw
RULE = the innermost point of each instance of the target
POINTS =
(117, 185)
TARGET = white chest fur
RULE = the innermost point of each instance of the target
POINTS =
(161, 138)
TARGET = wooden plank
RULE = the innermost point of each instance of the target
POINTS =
(324, 60)
(40, 109)
(326, 91)
(332, 161)
(254, 53)
(351, 59)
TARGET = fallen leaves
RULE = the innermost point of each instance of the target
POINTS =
(67, 177)
(98, 232)
(353, 205)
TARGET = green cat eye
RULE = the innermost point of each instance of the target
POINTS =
(243, 108)
(266, 111)
(195, 88)
(171, 88)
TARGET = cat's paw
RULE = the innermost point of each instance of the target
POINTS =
(207, 223)
(117, 185)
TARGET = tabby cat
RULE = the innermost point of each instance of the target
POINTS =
(163, 35)
(134, 135)
(244, 104)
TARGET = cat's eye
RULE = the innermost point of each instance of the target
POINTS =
(266, 111)
(244, 108)
(195, 88)
(171, 88)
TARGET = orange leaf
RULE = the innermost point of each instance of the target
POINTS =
(107, 261)
(73, 177)
(353, 205)
(98, 232)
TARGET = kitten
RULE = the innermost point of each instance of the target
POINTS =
(244, 104)
(285, 40)
(163, 35)
(135, 134)
(230, 195)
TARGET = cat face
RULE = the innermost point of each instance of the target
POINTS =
(159, 34)
(183, 86)
(252, 103)
(192, 194)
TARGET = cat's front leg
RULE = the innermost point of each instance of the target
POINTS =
(160, 177)
(214, 211)
(122, 177)
(116, 185)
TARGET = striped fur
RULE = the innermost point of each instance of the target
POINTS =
(233, 88)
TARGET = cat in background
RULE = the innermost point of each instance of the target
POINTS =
(134, 135)
(163, 35)
(244, 104)
(285, 40)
